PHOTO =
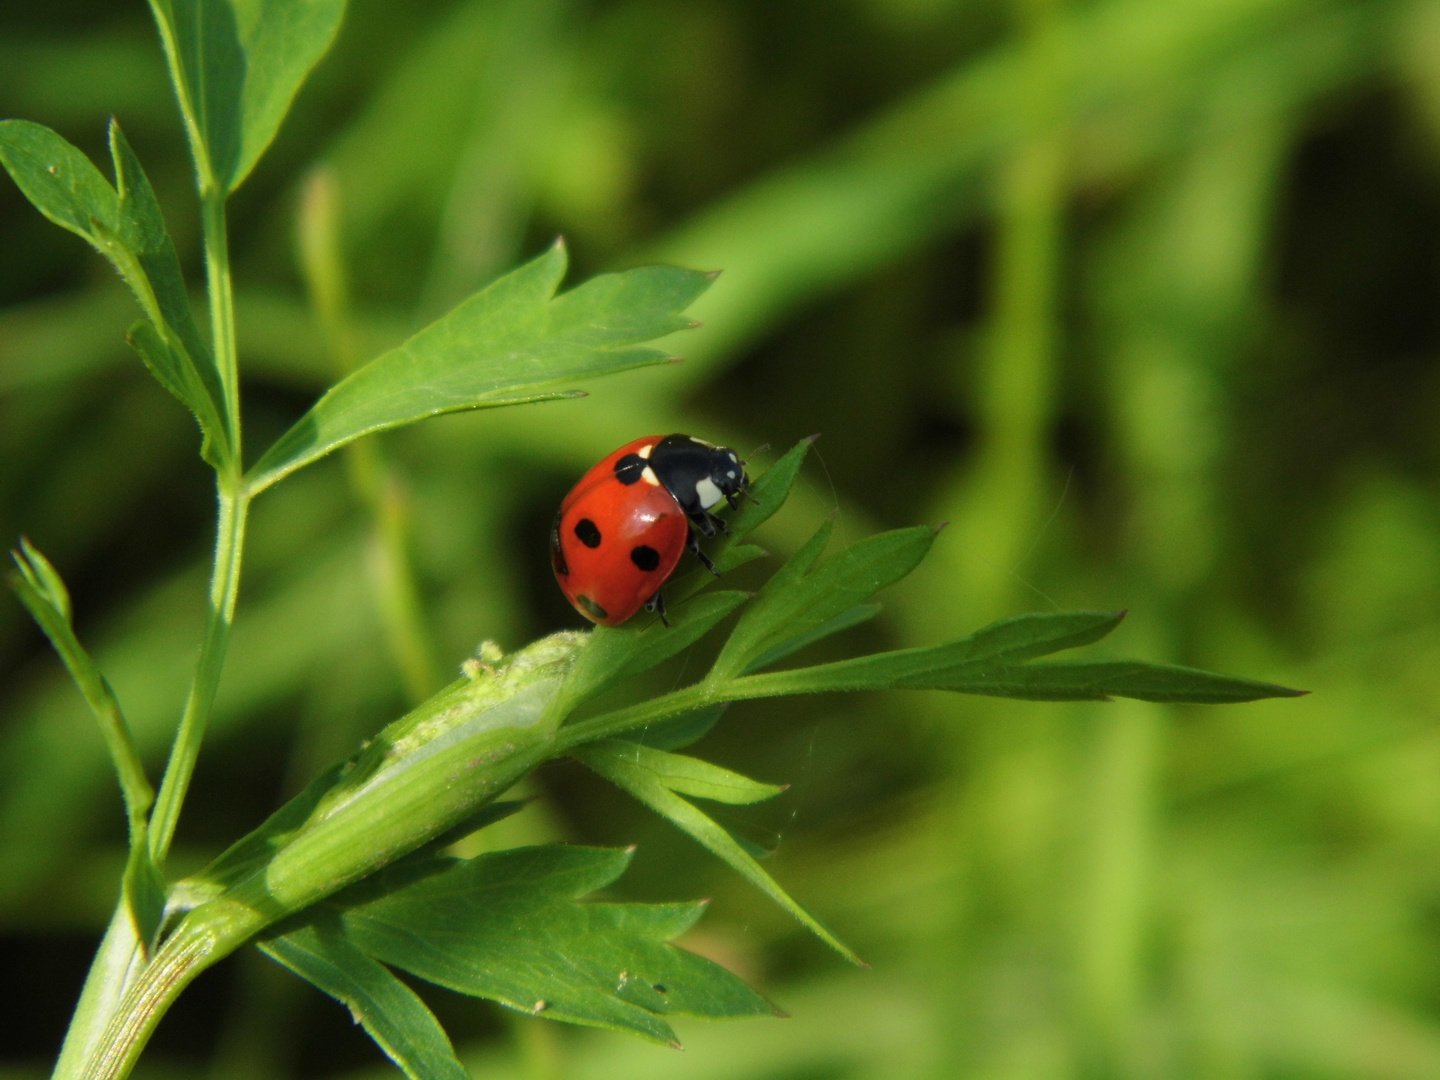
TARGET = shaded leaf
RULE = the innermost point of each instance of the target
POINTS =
(616, 761)
(128, 229)
(507, 926)
(769, 491)
(680, 732)
(236, 65)
(860, 613)
(798, 600)
(1096, 681)
(613, 653)
(509, 343)
(691, 776)
(392, 1013)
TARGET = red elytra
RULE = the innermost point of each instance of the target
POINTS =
(622, 529)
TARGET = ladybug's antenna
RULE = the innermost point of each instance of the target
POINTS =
(758, 450)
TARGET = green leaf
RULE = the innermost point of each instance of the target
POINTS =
(141, 226)
(59, 180)
(860, 613)
(126, 227)
(617, 761)
(43, 592)
(769, 491)
(236, 66)
(764, 497)
(691, 776)
(509, 343)
(1098, 681)
(681, 731)
(988, 662)
(798, 600)
(392, 1013)
(613, 653)
(508, 927)
(42, 576)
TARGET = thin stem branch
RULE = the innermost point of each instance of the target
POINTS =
(234, 504)
(222, 315)
(224, 583)
(44, 595)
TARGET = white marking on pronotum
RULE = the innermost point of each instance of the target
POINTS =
(709, 494)
(649, 476)
(644, 451)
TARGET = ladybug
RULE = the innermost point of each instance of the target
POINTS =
(622, 529)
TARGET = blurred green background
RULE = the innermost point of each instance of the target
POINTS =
(1140, 295)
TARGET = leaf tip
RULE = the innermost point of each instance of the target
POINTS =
(675, 1044)
(811, 440)
(711, 275)
(940, 527)
(674, 360)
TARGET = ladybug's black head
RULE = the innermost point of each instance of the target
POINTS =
(697, 473)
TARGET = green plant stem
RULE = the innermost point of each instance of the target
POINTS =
(117, 959)
(224, 583)
(222, 314)
(666, 707)
(234, 505)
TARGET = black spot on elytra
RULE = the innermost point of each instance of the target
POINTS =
(588, 533)
(645, 557)
(629, 468)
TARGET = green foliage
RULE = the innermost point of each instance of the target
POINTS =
(237, 65)
(1117, 862)
(45, 596)
(509, 927)
(391, 1013)
(651, 776)
(126, 227)
(506, 345)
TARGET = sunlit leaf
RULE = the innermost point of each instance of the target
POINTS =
(128, 229)
(236, 65)
(509, 343)
(798, 600)
(509, 927)
(618, 762)
(860, 613)
(937, 668)
(392, 1013)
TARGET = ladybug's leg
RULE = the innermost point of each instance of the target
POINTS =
(656, 604)
(694, 544)
(704, 522)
